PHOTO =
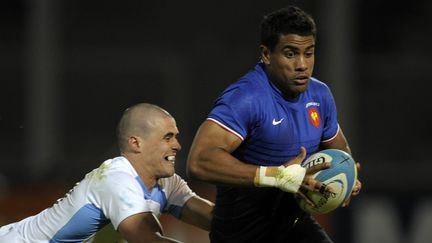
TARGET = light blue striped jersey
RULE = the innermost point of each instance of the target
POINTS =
(109, 193)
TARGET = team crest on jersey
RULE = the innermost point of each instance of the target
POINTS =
(314, 117)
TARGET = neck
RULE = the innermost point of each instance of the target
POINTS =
(286, 93)
(143, 172)
(148, 182)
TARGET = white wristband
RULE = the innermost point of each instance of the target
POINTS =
(287, 179)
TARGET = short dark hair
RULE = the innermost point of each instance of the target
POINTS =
(136, 120)
(287, 20)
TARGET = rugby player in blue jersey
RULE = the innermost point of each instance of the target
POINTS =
(259, 131)
(131, 191)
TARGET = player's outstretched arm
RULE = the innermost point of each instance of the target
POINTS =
(198, 211)
(143, 227)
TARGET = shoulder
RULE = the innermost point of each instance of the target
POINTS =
(318, 85)
(240, 103)
(244, 89)
(116, 167)
(318, 88)
(237, 103)
(250, 85)
(175, 185)
(173, 182)
(245, 94)
(113, 175)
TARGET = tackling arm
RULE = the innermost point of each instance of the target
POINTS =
(143, 227)
(198, 212)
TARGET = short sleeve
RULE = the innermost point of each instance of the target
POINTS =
(330, 120)
(234, 110)
(177, 192)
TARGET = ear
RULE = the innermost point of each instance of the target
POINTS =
(134, 143)
(265, 54)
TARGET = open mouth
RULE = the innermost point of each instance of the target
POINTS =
(170, 158)
(302, 79)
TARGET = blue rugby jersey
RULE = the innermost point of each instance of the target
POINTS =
(271, 127)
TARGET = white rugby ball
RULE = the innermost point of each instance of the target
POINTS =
(341, 177)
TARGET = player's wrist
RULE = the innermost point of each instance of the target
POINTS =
(265, 176)
(287, 178)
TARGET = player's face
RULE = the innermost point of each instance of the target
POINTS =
(291, 63)
(160, 147)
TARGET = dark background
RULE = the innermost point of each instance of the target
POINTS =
(69, 68)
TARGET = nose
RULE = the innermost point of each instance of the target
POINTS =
(176, 146)
(301, 63)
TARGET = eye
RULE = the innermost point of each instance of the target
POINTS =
(289, 54)
(168, 137)
(309, 53)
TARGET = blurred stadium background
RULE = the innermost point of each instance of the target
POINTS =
(69, 69)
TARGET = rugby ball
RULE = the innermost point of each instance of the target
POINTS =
(341, 177)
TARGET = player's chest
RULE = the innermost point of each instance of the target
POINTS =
(287, 124)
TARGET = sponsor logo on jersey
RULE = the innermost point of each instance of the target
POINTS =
(274, 122)
(314, 117)
(312, 104)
